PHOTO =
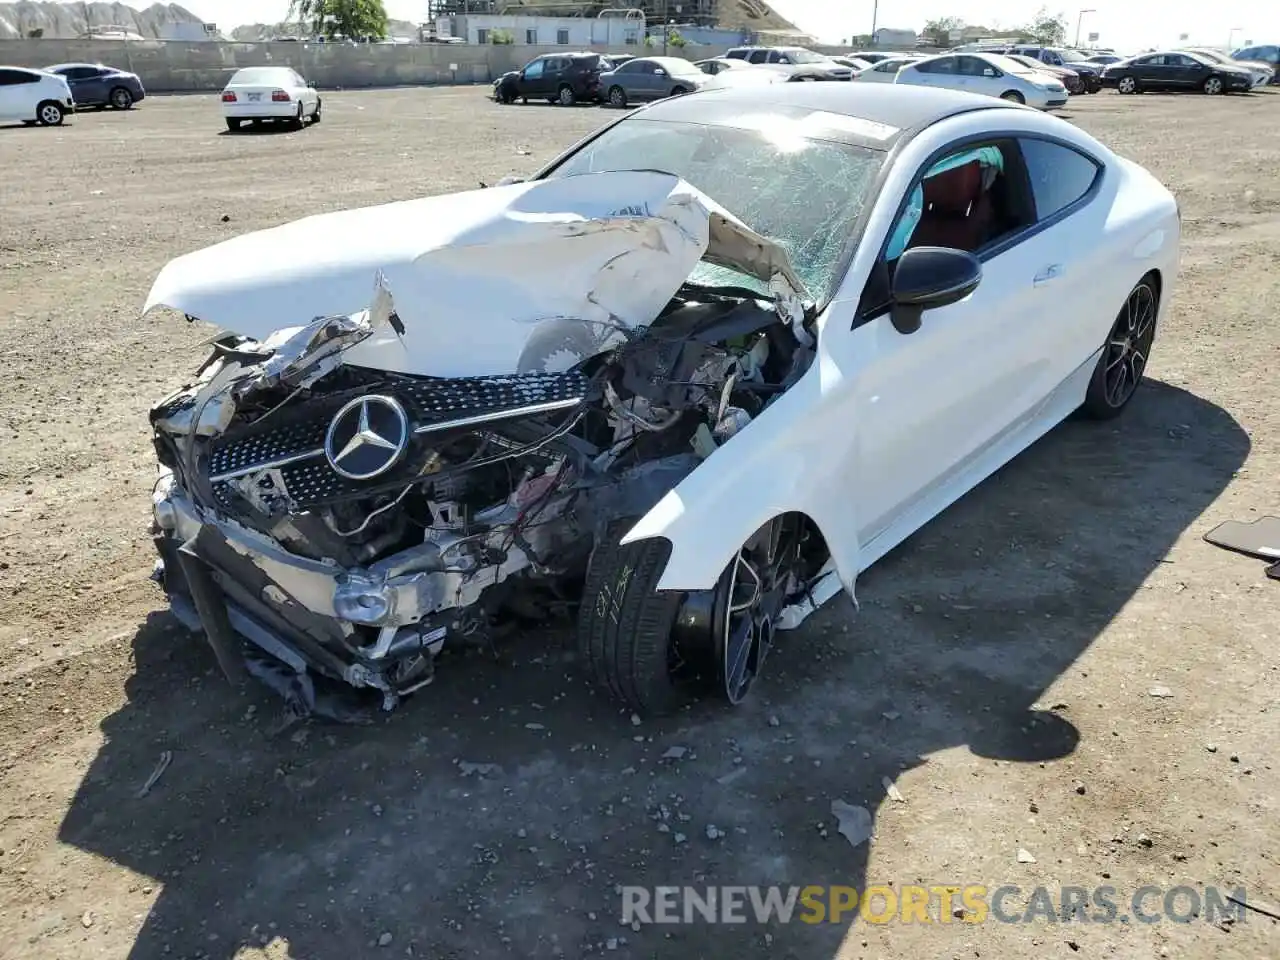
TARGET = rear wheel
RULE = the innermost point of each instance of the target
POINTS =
(617, 96)
(679, 91)
(1124, 358)
(315, 117)
(566, 97)
(1013, 96)
(1127, 85)
(1214, 86)
(121, 99)
(50, 114)
(233, 125)
(299, 121)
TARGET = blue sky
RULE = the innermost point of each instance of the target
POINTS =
(1121, 23)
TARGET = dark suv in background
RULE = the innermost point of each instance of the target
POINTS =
(563, 78)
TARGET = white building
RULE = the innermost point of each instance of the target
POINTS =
(545, 31)
(189, 31)
(888, 37)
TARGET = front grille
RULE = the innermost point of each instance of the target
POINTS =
(293, 441)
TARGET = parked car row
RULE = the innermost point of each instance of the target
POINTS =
(46, 96)
(1202, 70)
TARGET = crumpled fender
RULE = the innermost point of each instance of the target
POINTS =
(767, 469)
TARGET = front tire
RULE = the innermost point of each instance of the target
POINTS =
(1013, 96)
(121, 99)
(625, 625)
(1127, 85)
(1124, 358)
(50, 114)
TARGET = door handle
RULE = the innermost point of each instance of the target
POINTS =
(1052, 272)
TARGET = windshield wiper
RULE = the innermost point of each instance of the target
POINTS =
(700, 291)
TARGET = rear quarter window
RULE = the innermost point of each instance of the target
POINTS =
(1060, 176)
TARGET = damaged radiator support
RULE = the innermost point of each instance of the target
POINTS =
(212, 612)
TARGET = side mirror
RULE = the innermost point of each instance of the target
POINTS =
(930, 277)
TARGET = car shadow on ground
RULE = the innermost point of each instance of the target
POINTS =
(335, 838)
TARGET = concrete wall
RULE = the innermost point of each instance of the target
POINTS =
(182, 67)
(191, 67)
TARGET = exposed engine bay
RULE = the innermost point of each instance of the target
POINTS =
(319, 518)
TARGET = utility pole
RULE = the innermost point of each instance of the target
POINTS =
(875, 13)
(1079, 21)
(666, 31)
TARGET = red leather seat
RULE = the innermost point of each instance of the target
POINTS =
(957, 211)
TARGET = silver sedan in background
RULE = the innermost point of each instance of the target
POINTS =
(651, 78)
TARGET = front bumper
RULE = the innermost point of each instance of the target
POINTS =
(251, 597)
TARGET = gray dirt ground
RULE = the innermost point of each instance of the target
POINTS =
(1000, 656)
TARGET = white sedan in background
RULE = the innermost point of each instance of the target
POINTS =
(34, 96)
(256, 94)
(989, 74)
(886, 71)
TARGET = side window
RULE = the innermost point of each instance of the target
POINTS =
(887, 66)
(928, 66)
(82, 73)
(945, 65)
(1059, 176)
(534, 70)
(973, 66)
(736, 55)
(758, 56)
(628, 67)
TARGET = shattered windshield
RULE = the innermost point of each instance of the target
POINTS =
(801, 192)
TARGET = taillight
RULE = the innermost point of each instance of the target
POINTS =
(228, 97)
(279, 96)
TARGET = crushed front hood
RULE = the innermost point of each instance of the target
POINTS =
(475, 274)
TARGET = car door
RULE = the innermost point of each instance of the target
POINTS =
(530, 81)
(10, 95)
(939, 403)
(85, 84)
(1155, 72)
(977, 75)
(642, 81)
(1187, 71)
(939, 72)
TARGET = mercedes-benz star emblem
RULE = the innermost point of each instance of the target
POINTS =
(367, 437)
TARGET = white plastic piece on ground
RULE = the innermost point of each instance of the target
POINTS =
(854, 822)
(474, 274)
(826, 587)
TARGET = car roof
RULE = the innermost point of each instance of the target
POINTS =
(898, 108)
(65, 66)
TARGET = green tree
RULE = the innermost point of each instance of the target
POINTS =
(353, 19)
(674, 38)
(939, 30)
(501, 37)
(1047, 29)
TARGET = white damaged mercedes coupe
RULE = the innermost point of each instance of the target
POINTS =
(688, 381)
